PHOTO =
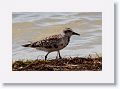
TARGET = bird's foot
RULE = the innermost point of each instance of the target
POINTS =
(60, 57)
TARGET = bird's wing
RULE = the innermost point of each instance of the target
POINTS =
(48, 42)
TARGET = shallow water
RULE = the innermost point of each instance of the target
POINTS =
(33, 26)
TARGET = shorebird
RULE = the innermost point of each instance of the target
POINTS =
(53, 43)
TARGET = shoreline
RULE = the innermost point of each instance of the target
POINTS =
(64, 64)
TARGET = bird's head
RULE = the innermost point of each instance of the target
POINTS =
(68, 32)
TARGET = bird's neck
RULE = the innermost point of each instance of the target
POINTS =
(67, 39)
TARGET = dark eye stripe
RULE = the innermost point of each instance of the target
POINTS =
(66, 31)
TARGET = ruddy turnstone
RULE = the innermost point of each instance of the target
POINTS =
(53, 43)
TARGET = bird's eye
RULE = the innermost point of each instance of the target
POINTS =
(67, 31)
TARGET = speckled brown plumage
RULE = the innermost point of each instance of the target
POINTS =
(53, 43)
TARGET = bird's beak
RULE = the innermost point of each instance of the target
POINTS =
(74, 33)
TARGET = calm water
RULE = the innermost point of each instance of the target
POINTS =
(36, 26)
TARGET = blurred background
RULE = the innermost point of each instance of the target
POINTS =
(33, 26)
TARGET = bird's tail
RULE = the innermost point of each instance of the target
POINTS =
(26, 45)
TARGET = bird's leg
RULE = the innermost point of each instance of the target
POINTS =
(46, 55)
(59, 55)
